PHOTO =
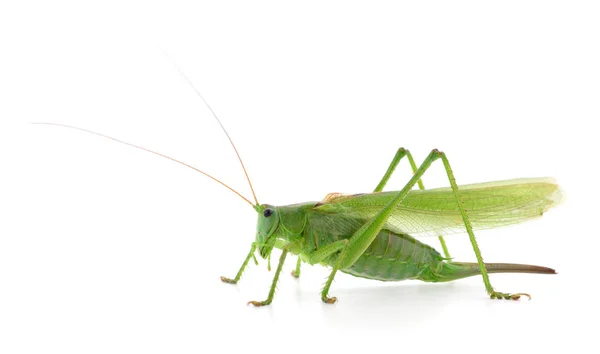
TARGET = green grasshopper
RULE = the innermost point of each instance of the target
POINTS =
(369, 235)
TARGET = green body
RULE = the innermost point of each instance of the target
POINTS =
(390, 257)
(373, 235)
(395, 255)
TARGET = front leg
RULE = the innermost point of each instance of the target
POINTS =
(239, 273)
(274, 284)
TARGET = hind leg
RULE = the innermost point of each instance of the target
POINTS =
(486, 280)
(395, 161)
(363, 237)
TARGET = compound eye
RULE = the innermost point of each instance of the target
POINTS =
(267, 213)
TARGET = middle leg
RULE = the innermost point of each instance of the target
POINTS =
(296, 272)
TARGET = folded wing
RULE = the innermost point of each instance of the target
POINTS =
(435, 212)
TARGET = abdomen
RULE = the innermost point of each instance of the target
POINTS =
(394, 257)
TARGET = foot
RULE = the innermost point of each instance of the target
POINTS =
(329, 300)
(228, 281)
(506, 296)
(259, 303)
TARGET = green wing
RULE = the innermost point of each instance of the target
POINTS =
(435, 212)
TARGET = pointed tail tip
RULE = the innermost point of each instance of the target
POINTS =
(518, 268)
(538, 270)
(505, 268)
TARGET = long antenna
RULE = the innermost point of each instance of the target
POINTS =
(150, 151)
(219, 121)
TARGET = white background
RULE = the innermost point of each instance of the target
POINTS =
(107, 249)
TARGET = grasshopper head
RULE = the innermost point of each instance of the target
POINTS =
(268, 220)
